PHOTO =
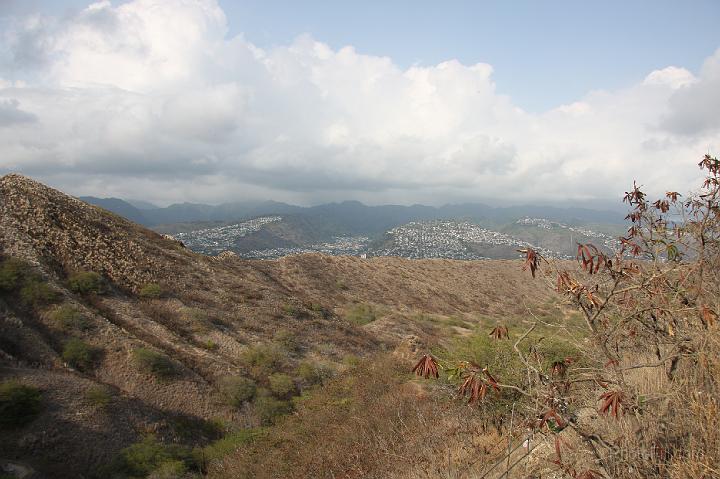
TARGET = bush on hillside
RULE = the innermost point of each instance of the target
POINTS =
(150, 291)
(235, 390)
(99, 396)
(169, 470)
(297, 312)
(270, 409)
(281, 385)
(361, 314)
(311, 372)
(287, 340)
(224, 446)
(85, 282)
(151, 456)
(68, 318)
(37, 293)
(263, 359)
(155, 363)
(12, 272)
(19, 403)
(194, 429)
(79, 354)
(197, 320)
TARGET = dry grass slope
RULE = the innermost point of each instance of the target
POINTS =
(206, 316)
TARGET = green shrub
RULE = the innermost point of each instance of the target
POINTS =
(69, 318)
(225, 446)
(269, 409)
(210, 345)
(556, 350)
(263, 359)
(311, 372)
(236, 390)
(19, 403)
(297, 312)
(287, 340)
(281, 385)
(197, 320)
(350, 360)
(37, 293)
(12, 272)
(86, 282)
(150, 291)
(457, 322)
(361, 314)
(499, 357)
(169, 470)
(149, 456)
(78, 354)
(154, 362)
(193, 429)
(98, 396)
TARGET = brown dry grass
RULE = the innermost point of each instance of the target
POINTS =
(236, 304)
(372, 422)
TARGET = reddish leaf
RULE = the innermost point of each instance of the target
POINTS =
(612, 403)
(708, 316)
(532, 260)
(426, 367)
(499, 332)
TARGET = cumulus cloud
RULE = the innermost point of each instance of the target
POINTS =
(694, 108)
(154, 94)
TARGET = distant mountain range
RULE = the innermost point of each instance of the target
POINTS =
(464, 231)
(348, 217)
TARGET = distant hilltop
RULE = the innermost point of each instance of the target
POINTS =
(353, 216)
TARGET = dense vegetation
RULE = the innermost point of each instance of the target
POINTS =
(19, 403)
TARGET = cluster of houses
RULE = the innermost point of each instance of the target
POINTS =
(214, 241)
(423, 239)
(447, 239)
(575, 232)
(339, 246)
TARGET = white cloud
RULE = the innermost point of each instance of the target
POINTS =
(153, 93)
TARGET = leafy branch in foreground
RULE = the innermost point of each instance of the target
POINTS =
(648, 332)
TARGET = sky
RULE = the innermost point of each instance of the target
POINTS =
(384, 102)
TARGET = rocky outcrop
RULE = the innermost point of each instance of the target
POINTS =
(41, 224)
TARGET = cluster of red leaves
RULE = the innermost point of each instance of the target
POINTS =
(566, 284)
(551, 414)
(634, 197)
(627, 244)
(588, 474)
(476, 384)
(559, 444)
(591, 258)
(532, 260)
(612, 403)
(662, 205)
(558, 368)
(713, 166)
(426, 367)
(567, 468)
(708, 316)
(499, 332)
